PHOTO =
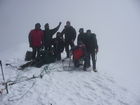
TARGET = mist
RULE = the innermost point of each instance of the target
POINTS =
(115, 22)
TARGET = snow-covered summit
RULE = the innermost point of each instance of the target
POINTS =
(61, 86)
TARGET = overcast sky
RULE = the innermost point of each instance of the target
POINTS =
(115, 22)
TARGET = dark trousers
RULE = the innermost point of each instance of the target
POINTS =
(67, 44)
(93, 56)
(87, 59)
(35, 52)
(58, 56)
(76, 63)
(89, 55)
(48, 45)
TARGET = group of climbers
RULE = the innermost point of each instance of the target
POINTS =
(43, 44)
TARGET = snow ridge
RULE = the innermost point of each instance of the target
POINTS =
(61, 85)
(65, 87)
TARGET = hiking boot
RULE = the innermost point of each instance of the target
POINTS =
(94, 70)
(88, 66)
(84, 68)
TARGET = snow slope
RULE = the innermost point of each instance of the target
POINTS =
(60, 85)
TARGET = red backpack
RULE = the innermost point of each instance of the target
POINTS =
(78, 52)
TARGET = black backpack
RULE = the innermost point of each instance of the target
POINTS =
(28, 56)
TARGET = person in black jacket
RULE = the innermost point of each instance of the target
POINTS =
(70, 35)
(80, 37)
(58, 45)
(48, 34)
(92, 48)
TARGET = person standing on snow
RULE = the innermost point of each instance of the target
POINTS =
(48, 34)
(36, 40)
(80, 37)
(70, 35)
(58, 45)
(92, 49)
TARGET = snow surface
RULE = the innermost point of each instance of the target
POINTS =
(60, 85)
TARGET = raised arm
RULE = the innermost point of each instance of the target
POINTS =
(53, 31)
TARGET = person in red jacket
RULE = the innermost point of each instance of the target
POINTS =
(36, 40)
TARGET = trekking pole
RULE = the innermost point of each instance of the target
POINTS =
(2, 71)
(6, 86)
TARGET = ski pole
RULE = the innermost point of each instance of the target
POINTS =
(2, 71)
(6, 86)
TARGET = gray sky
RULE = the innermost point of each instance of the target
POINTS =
(116, 23)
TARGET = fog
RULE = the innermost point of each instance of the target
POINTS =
(115, 22)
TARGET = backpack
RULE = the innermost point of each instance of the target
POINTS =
(78, 53)
(28, 56)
